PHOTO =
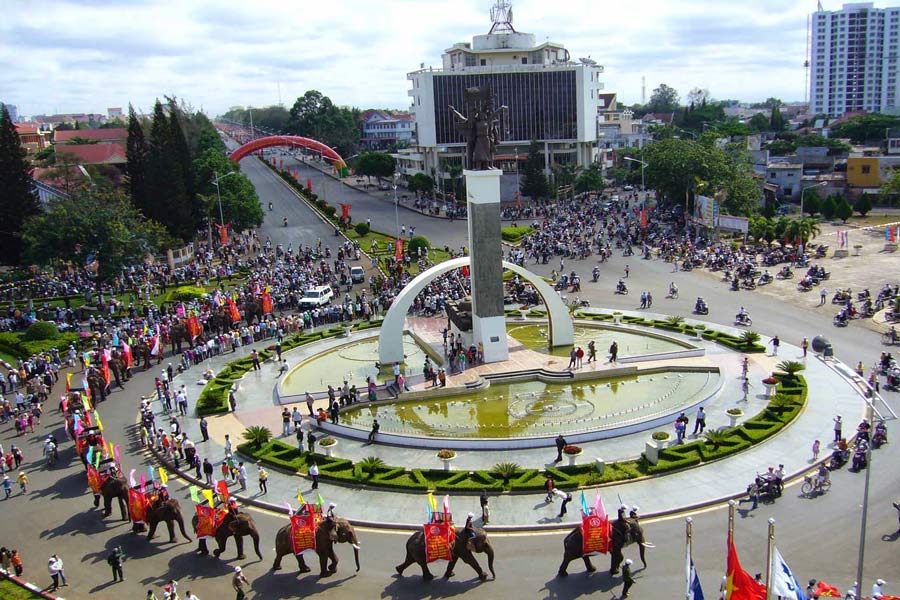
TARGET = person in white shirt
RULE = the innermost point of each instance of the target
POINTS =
(876, 588)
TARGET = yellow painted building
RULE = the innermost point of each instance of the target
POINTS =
(863, 172)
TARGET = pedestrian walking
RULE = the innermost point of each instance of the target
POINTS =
(229, 449)
(299, 435)
(263, 479)
(700, 423)
(297, 418)
(566, 498)
(374, 431)
(815, 450)
(309, 403)
(232, 401)
(7, 486)
(115, 560)
(242, 476)
(560, 444)
(57, 572)
(285, 422)
(627, 579)
(255, 356)
(573, 357)
(314, 474)
(613, 352)
(238, 582)
(22, 480)
(627, 271)
(204, 429)
(745, 388)
(823, 295)
(838, 425)
(592, 351)
(208, 471)
(485, 509)
(549, 486)
(775, 343)
(804, 345)
(16, 559)
(310, 442)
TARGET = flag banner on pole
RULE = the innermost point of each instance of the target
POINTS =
(596, 531)
(209, 495)
(300, 497)
(740, 585)
(195, 494)
(694, 591)
(303, 530)
(398, 252)
(823, 590)
(783, 582)
(268, 307)
(208, 520)
(131, 481)
(320, 501)
(222, 489)
(137, 505)
(163, 475)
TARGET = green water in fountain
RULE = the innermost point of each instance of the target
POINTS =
(535, 408)
(353, 362)
(534, 337)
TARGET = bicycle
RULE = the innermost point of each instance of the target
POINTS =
(810, 488)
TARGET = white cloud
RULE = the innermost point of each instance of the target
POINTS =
(87, 55)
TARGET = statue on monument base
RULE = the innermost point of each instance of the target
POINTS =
(480, 127)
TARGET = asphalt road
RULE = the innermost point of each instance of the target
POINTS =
(819, 538)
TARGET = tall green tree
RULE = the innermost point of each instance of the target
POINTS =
(315, 115)
(863, 205)
(776, 120)
(190, 212)
(240, 204)
(829, 207)
(136, 153)
(376, 164)
(759, 122)
(420, 183)
(17, 198)
(863, 128)
(663, 99)
(590, 179)
(533, 180)
(93, 224)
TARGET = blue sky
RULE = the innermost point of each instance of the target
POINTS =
(87, 55)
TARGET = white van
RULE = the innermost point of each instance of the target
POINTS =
(315, 297)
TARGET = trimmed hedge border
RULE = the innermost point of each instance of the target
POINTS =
(213, 399)
(772, 419)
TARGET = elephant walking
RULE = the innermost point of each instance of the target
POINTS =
(233, 525)
(624, 532)
(114, 487)
(170, 512)
(415, 553)
(327, 534)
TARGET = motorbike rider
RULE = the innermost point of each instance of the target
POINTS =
(880, 432)
(742, 315)
(284, 221)
(673, 290)
(596, 274)
(620, 287)
(700, 305)
(270, 206)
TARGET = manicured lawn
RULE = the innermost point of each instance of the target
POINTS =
(11, 591)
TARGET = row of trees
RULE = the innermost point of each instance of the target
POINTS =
(770, 230)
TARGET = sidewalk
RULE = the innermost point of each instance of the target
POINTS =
(829, 394)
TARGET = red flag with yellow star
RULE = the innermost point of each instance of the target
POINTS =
(740, 585)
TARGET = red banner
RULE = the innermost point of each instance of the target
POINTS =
(193, 326)
(137, 505)
(303, 530)
(308, 184)
(267, 306)
(644, 219)
(233, 309)
(439, 540)
(398, 253)
(208, 520)
(595, 534)
(93, 477)
(223, 233)
(345, 210)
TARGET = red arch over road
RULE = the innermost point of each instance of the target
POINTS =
(288, 140)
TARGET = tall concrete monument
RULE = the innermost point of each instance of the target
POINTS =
(480, 127)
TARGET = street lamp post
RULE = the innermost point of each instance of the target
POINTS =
(396, 204)
(803, 191)
(215, 182)
(870, 417)
(643, 164)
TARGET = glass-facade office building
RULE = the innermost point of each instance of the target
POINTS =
(542, 105)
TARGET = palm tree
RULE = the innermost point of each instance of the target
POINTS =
(370, 464)
(791, 367)
(807, 229)
(505, 470)
(716, 438)
(748, 338)
(257, 435)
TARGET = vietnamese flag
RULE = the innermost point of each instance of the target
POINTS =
(740, 585)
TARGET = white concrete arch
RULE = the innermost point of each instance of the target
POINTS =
(390, 340)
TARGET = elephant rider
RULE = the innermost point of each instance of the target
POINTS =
(162, 496)
(233, 506)
(620, 529)
(633, 514)
(469, 531)
(330, 523)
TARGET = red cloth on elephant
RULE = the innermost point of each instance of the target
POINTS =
(439, 540)
(208, 520)
(303, 530)
(595, 534)
(137, 505)
(95, 481)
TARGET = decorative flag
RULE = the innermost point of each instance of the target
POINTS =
(112, 448)
(233, 309)
(195, 494)
(300, 497)
(104, 361)
(86, 399)
(823, 590)
(585, 510)
(320, 501)
(137, 505)
(596, 531)
(155, 347)
(303, 530)
(127, 356)
(152, 474)
(90, 456)
(465, 271)
(739, 584)
(98, 421)
(267, 305)
(447, 504)
(290, 508)
(432, 503)
(210, 497)
(193, 326)
(143, 483)
(131, 478)
(222, 488)
(398, 252)
(163, 475)
(694, 591)
(783, 582)
(68, 383)
(116, 456)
